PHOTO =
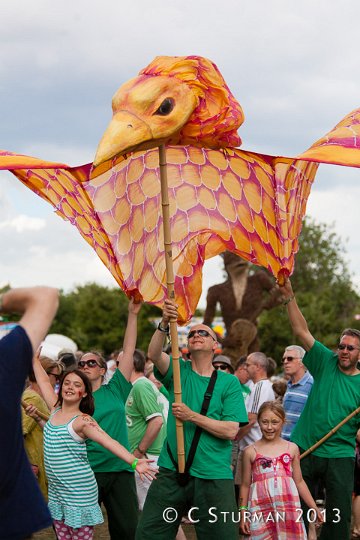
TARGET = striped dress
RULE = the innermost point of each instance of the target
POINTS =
(73, 492)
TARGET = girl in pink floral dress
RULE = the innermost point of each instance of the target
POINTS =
(271, 483)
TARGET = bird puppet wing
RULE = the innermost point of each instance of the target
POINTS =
(221, 198)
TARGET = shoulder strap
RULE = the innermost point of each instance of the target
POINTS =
(204, 408)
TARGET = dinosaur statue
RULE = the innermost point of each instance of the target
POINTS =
(242, 297)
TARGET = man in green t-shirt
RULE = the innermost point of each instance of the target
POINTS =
(145, 421)
(334, 395)
(208, 497)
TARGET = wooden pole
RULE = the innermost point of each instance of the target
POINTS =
(43, 416)
(328, 435)
(170, 281)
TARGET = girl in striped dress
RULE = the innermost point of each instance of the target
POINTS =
(73, 494)
(271, 483)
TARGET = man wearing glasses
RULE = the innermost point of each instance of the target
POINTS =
(298, 387)
(209, 488)
(335, 394)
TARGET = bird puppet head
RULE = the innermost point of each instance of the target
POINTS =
(178, 100)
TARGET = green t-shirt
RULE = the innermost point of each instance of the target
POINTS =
(245, 390)
(213, 455)
(143, 403)
(164, 392)
(334, 396)
(110, 415)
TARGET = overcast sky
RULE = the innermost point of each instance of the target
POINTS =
(294, 68)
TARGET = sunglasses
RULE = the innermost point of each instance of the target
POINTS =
(201, 332)
(288, 358)
(89, 363)
(223, 367)
(350, 348)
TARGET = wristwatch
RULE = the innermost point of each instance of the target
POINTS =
(162, 329)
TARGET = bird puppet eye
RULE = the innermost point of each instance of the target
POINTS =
(166, 107)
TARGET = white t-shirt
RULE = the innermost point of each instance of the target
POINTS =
(261, 392)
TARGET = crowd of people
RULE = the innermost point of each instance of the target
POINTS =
(92, 432)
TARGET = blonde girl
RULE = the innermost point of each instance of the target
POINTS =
(272, 482)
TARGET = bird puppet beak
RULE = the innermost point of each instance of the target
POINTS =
(124, 134)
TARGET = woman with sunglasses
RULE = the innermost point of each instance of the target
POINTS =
(115, 478)
(223, 363)
(73, 494)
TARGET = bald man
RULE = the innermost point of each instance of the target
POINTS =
(209, 487)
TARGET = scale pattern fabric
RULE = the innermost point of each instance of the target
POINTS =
(341, 145)
(249, 204)
(220, 197)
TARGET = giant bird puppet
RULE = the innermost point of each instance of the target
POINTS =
(221, 198)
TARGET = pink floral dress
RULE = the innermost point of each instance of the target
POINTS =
(274, 503)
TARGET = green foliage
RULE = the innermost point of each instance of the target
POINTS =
(95, 317)
(324, 292)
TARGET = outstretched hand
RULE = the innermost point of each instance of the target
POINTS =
(144, 470)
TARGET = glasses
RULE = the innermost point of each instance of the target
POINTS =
(288, 359)
(350, 348)
(201, 332)
(223, 367)
(89, 363)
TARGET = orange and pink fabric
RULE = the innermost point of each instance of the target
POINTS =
(221, 198)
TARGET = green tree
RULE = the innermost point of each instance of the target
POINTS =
(95, 317)
(323, 288)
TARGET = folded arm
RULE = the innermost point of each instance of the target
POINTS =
(153, 428)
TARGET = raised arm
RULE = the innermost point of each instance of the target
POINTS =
(296, 318)
(43, 380)
(38, 306)
(155, 350)
(126, 357)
